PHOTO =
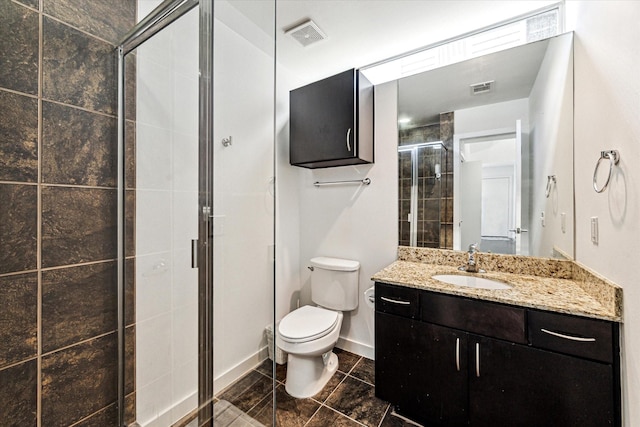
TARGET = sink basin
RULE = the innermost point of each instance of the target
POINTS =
(471, 281)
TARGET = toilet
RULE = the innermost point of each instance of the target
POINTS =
(309, 333)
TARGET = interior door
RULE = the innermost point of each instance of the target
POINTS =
(471, 203)
(519, 231)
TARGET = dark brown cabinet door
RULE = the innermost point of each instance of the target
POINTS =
(422, 370)
(517, 385)
(322, 120)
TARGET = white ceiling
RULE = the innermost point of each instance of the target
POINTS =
(362, 32)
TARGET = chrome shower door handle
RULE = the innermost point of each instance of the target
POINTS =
(348, 142)
(194, 253)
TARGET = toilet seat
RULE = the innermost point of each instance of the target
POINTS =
(307, 323)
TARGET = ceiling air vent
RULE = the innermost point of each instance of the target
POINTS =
(306, 33)
(484, 87)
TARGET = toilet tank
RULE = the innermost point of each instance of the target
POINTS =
(334, 283)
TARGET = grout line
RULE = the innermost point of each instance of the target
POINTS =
(25, 6)
(76, 107)
(85, 32)
(12, 365)
(15, 92)
(85, 187)
(60, 267)
(386, 412)
(18, 183)
(67, 347)
(39, 218)
(17, 273)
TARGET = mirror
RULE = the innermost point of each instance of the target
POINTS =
(485, 152)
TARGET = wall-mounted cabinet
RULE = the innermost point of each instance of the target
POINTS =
(331, 122)
(451, 361)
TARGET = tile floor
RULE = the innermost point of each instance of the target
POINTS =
(348, 400)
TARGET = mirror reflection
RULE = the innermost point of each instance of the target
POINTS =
(485, 153)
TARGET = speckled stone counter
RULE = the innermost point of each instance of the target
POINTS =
(555, 285)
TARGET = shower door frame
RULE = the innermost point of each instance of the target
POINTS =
(164, 15)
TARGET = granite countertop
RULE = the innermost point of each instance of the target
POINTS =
(574, 291)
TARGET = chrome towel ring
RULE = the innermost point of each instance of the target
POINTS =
(614, 158)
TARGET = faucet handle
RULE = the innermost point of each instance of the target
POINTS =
(473, 247)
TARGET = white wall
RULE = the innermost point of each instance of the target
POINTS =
(550, 136)
(352, 222)
(607, 108)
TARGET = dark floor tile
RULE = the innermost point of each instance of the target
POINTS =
(392, 420)
(18, 227)
(248, 391)
(107, 19)
(290, 412)
(267, 369)
(18, 318)
(357, 400)
(78, 303)
(365, 370)
(31, 3)
(103, 418)
(18, 48)
(78, 225)
(329, 387)
(78, 69)
(346, 359)
(78, 147)
(18, 138)
(19, 394)
(78, 381)
(328, 417)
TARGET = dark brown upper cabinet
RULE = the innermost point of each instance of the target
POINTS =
(331, 122)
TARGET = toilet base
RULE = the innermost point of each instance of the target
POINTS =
(307, 375)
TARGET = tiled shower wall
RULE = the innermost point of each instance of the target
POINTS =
(435, 197)
(58, 351)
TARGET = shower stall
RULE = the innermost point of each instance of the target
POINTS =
(195, 212)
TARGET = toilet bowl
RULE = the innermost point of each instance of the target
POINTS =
(310, 332)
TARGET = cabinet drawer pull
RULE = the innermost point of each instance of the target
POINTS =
(458, 354)
(478, 359)
(395, 301)
(348, 142)
(567, 337)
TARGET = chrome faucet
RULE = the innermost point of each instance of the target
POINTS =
(472, 263)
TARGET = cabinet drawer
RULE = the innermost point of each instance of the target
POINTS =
(489, 319)
(578, 336)
(398, 300)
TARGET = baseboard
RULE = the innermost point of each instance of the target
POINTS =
(186, 405)
(231, 375)
(361, 349)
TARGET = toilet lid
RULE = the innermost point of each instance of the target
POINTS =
(307, 323)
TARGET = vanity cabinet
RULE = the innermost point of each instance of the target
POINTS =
(331, 122)
(462, 361)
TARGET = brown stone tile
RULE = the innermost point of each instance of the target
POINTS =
(78, 147)
(266, 369)
(79, 381)
(130, 408)
(290, 412)
(365, 370)
(130, 291)
(130, 88)
(78, 225)
(78, 303)
(18, 227)
(346, 359)
(130, 223)
(18, 318)
(78, 69)
(392, 420)
(18, 138)
(329, 387)
(103, 418)
(18, 48)
(130, 360)
(328, 417)
(356, 399)
(107, 19)
(130, 154)
(248, 391)
(19, 394)
(31, 3)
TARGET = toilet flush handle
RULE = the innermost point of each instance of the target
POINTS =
(310, 267)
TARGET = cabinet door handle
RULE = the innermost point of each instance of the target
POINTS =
(394, 301)
(567, 337)
(478, 359)
(458, 354)
(348, 142)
